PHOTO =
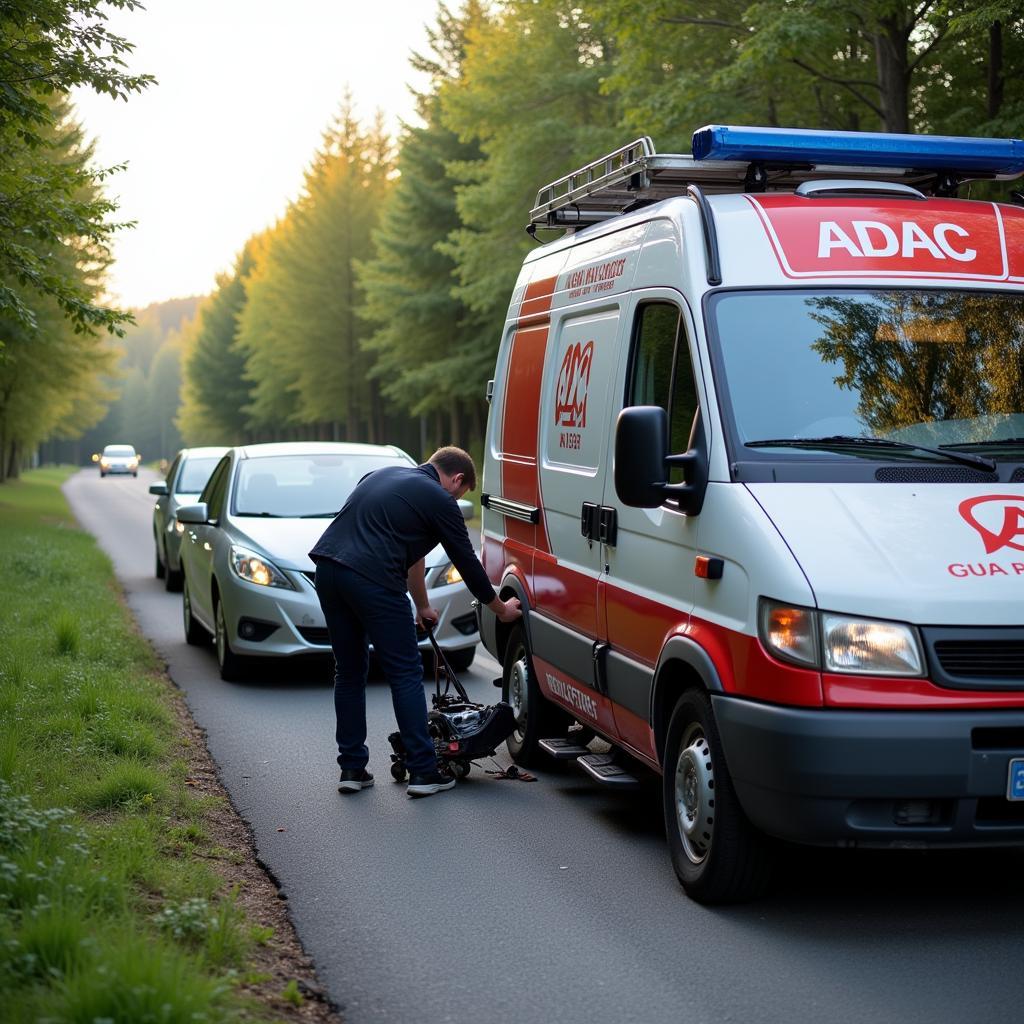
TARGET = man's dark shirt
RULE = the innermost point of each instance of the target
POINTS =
(391, 520)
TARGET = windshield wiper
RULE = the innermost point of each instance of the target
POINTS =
(318, 515)
(995, 442)
(858, 441)
(261, 515)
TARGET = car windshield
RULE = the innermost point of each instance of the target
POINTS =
(935, 368)
(194, 474)
(303, 486)
(119, 451)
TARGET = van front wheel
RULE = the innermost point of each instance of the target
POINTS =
(536, 718)
(717, 854)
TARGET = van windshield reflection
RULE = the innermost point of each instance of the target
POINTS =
(924, 368)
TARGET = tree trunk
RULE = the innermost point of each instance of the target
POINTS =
(893, 74)
(996, 81)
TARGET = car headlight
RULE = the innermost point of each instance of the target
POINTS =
(869, 647)
(104, 463)
(249, 566)
(789, 633)
(839, 643)
(451, 575)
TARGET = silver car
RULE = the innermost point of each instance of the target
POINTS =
(119, 458)
(248, 577)
(185, 481)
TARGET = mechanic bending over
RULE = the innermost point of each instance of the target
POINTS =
(366, 559)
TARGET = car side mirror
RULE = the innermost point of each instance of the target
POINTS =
(642, 463)
(194, 515)
(466, 508)
(160, 488)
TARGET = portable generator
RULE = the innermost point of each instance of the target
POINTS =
(461, 729)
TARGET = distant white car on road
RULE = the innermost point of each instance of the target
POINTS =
(119, 458)
(185, 481)
(248, 580)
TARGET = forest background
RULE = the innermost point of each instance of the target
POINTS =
(372, 310)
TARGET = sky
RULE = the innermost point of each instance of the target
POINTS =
(218, 148)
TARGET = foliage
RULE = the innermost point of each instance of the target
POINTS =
(51, 207)
(299, 330)
(428, 349)
(103, 914)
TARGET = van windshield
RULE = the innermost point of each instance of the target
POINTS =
(941, 369)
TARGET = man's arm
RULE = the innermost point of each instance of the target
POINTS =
(417, 583)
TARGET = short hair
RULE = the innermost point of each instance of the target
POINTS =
(451, 460)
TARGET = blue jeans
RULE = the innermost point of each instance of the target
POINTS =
(355, 608)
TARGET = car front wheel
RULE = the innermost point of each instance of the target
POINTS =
(233, 667)
(195, 634)
(718, 856)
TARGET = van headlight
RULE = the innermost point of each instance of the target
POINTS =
(842, 644)
(249, 566)
(869, 647)
(789, 633)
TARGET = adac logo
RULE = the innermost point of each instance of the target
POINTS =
(573, 382)
(983, 514)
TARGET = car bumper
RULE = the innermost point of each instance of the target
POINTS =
(128, 470)
(298, 625)
(870, 778)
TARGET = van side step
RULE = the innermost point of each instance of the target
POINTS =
(562, 750)
(603, 768)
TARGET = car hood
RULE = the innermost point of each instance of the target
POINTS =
(932, 554)
(287, 542)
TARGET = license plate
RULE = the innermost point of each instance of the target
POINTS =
(1015, 785)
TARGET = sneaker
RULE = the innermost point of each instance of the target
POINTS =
(352, 780)
(430, 783)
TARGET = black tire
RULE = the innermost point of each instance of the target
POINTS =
(459, 769)
(461, 659)
(718, 856)
(233, 667)
(175, 578)
(102, 474)
(161, 568)
(195, 634)
(536, 717)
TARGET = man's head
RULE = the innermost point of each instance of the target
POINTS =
(456, 470)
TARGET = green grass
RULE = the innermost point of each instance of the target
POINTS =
(110, 909)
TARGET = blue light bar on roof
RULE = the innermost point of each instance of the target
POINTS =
(859, 149)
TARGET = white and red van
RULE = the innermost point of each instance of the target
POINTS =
(755, 468)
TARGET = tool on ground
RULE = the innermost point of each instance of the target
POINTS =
(461, 729)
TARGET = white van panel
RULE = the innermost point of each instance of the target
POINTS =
(912, 552)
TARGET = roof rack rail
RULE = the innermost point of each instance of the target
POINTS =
(765, 159)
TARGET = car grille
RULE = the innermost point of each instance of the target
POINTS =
(315, 635)
(977, 658)
(1002, 659)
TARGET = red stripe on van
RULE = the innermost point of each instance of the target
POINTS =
(519, 432)
(909, 694)
(537, 297)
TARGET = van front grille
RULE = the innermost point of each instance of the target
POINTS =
(976, 658)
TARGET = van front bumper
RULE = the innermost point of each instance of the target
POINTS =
(874, 778)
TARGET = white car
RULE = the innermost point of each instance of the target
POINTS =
(248, 578)
(119, 458)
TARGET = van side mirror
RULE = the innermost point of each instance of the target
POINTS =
(194, 515)
(642, 462)
(160, 488)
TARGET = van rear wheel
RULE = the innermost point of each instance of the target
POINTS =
(718, 856)
(536, 718)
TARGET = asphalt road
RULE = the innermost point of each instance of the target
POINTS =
(555, 900)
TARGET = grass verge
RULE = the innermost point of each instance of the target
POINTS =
(113, 903)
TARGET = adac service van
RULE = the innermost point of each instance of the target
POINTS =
(755, 469)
